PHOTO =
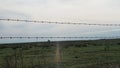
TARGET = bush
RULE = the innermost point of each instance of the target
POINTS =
(2, 47)
(118, 43)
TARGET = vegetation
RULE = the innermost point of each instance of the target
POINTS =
(73, 54)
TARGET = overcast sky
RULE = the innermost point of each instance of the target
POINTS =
(88, 11)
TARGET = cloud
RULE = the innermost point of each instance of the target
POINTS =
(66, 9)
(80, 11)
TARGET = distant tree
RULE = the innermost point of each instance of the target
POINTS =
(49, 41)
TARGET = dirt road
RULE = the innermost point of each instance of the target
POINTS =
(57, 55)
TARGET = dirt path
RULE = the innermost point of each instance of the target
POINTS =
(57, 55)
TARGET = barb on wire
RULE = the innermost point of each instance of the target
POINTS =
(59, 37)
(49, 22)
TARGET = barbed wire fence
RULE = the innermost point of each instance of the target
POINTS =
(53, 37)
(58, 50)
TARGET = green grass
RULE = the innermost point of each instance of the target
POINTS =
(92, 56)
(33, 57)
(97, 54)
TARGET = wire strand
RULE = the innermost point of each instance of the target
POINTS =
(30, 37)
(49, 22)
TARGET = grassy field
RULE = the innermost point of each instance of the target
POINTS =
(67, 54)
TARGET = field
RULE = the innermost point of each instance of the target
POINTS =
(64, 54)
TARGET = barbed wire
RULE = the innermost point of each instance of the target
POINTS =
(30, 37)
(35, 21)
(49, 22)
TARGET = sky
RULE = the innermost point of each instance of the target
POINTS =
(79, 11)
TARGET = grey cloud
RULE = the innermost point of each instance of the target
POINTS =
(12, 14)
(6, 26)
